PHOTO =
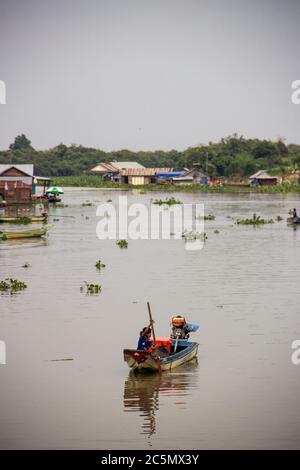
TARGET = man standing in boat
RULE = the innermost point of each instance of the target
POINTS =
(295, 216)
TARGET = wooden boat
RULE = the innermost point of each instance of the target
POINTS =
(37, 218)
(293, 220)
(24, 234)
(158, 360)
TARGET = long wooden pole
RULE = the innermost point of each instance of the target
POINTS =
(151, 322)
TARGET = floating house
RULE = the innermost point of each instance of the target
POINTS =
(262, 178)
(140, 176)
(193, 176)
(111, 171)
(16, 182)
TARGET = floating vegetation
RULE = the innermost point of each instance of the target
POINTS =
(109, 200)
(99, 265)
(61, 205)
(216, 231)
(191, 235)
(89, 288)
(169, 201)
(12, 285)
(55, 220)
(278, 218)
(122, 243)
(26, 265)
(256, 220)
(206, 217)
(3, 236)
(87, 204)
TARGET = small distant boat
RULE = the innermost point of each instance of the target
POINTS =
(24, 234)
(293, 220)
(15, 220)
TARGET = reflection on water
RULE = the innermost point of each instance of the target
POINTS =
(143, 391)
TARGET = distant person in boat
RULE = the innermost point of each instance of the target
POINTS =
(144, 342)
(179, 328)
(295, 216)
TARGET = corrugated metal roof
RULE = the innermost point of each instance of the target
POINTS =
(115, 167)
(262, 174)
(28, 169)
(144, 171)
(127, 165)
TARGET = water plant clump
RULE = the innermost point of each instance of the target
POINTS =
(207, 217)
(278, 218)
(61, 205)
(90, 288)
(12, 285)
(255, 220)
(122, 243)
(26, 265)
(191, 235)
(87, 204)
(3, 236)
(216, 231)
(169, 201)
(99, 265)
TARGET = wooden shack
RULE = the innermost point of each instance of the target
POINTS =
(16, 182)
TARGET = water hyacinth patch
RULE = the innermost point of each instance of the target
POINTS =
(169, 201)
(26, 265)
(191, 235)
(99, 265)
(207, 217)
(255, 220)
(122, 243)
(90, 288)
(12, 285)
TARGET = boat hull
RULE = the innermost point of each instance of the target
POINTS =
(25, 234)
(16, 219)
(146, 361)
(292, 220)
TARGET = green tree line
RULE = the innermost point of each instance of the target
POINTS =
(233, 156)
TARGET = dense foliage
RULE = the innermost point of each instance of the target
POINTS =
(232, 156)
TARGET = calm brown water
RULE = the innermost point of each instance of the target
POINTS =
(242, 288)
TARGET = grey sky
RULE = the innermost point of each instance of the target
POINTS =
(148, 74)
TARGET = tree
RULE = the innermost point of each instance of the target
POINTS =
(21, 143)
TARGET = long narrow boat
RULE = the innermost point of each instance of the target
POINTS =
(139, 360)
(15, 220)
(24, 234)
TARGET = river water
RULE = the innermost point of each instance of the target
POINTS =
(242, 289)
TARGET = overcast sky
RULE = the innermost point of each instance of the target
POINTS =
(148, 74)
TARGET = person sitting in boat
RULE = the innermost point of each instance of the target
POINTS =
(144, 343)
(295, 216)
(179, 328)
